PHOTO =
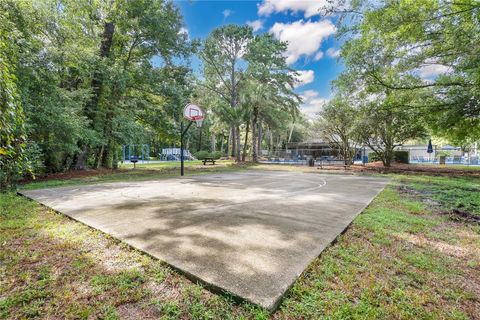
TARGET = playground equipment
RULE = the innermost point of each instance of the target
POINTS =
(173, 154)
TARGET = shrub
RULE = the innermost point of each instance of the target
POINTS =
(216, 155)
(202, 154)
(445, 153)
(400, 156)
(373, 157)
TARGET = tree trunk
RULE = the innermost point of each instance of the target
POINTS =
(234, 141)
(237, 144)
(99, 157)
(291, 132)
(227, 152)
(254, 135)
(213, 142)
(115, 157)
(259, 147)
(246, 141)
(221, 144)
(387, 159)
(272, 146)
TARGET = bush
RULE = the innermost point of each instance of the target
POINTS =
(401, 156)
(202, 154)
(216, 155)
(373, 157)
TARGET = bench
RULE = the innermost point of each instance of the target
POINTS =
(211, 160)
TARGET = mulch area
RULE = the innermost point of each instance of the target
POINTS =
(72, 174)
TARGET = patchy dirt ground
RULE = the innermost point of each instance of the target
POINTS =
(417, 169)
(377, 167)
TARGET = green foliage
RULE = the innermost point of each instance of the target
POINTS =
(401, 156)
(337, 125)
(446, 153)
(200, 155)
(388, 121)
(91, 76)
(268, 93)
(216, 155)
(251, 83)
(34, 154)
(392, 45)
(83, 73)
(373, 157)
(12, 139)
(222, 55)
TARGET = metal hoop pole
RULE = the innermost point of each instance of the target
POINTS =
(182, 135)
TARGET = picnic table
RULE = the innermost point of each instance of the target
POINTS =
(211, 160)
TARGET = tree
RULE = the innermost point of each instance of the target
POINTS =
(94, 75)
(270, 81)
(385, 122)
(337, 125)
(134, 32)
(222, 56)
(12, 138)
(434, 42)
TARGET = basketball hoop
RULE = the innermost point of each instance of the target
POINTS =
(191, 112)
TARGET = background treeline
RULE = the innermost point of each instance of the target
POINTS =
(412, 71)
(80, 78)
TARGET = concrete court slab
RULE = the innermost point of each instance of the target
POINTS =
(249, 233)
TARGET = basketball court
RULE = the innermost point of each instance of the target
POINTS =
(249, 233)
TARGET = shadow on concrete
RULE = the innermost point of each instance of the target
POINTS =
(249, 234)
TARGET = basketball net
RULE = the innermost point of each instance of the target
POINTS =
(199, 122)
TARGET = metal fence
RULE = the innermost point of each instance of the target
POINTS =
(320, 156)
(452, 160)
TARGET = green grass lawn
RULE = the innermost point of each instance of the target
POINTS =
(407, 256)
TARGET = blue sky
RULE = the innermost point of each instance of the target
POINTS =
(312, 50)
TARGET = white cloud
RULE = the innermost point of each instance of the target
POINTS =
(256, 24)
(433, 70)
(226, 13)
(304, 77)
(304, 37)
(332, 53)
(318, 56)
(312, 103)
(310, 8)
(309, 94)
